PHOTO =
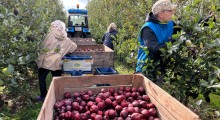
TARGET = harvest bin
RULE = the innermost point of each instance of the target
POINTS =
(71, 62)
(102, 55)
(84, 41)
(168, 107)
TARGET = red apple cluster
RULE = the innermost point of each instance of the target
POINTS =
(127, 103)
(90, 50)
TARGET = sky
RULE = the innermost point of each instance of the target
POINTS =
(72, 4)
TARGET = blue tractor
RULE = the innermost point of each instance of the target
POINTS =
(78, 23)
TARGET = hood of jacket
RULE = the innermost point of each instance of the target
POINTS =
(113, 32)
(59, 35)
(58, 29)
(152, 18)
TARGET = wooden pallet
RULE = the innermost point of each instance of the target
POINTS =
(168, 107)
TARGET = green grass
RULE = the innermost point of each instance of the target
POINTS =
(122, 68)
(215, 101)
(29, 113)
(204, 109)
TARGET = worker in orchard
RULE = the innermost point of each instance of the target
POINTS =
(52, 50)
(156, 31)
(110, 36)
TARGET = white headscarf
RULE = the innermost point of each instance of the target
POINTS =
(58, 28)
(54, 47)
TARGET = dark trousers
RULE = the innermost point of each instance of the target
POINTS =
(42, 75)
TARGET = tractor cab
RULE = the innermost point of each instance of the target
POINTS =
(78, 23)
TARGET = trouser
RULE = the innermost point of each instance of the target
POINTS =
(42, 75)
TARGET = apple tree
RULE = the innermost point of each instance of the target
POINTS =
(192, 62)
(23, 25)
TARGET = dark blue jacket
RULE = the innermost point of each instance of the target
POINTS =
(152, 36)
(108, 37)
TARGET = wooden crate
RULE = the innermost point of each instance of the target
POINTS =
(84, 41)
(168, 107)
(102, 55)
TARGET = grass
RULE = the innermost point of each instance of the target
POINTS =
(123, 69)
(206, 110)
(215, 101)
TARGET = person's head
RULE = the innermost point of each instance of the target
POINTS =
(59, 25)
(112, 27)
(163, 10)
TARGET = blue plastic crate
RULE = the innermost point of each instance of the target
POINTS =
(78, 73)
(87, 73)
(106, 71)
(74, 72)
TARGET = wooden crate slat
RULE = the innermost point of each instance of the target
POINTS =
(88, 81)
(46, 112)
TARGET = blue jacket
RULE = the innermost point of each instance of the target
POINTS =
(161, 32)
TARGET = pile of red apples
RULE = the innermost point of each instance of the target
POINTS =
(123, 103)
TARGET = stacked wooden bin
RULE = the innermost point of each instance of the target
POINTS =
(168, 107)
(103, 56)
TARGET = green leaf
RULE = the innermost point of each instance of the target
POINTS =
(21, 60)
(199, 102)
(1, 83)
(217, 70)
(199, 29)
(182, 38)
(217, 113)
(198, 61)
(211, 25)
(5, 22)
(169, 44)
(3, 10)
(215, 86)
(10, 68)
(13, 81)
(1, 15)
(204, 83)
(217, 41)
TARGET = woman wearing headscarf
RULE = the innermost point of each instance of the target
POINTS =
(52, 50)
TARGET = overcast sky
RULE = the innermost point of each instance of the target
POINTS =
(72, 4)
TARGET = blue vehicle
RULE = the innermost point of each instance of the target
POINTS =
(78, 23)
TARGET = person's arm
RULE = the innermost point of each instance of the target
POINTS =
(72, 46)
(103, 38)
(151, 42)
